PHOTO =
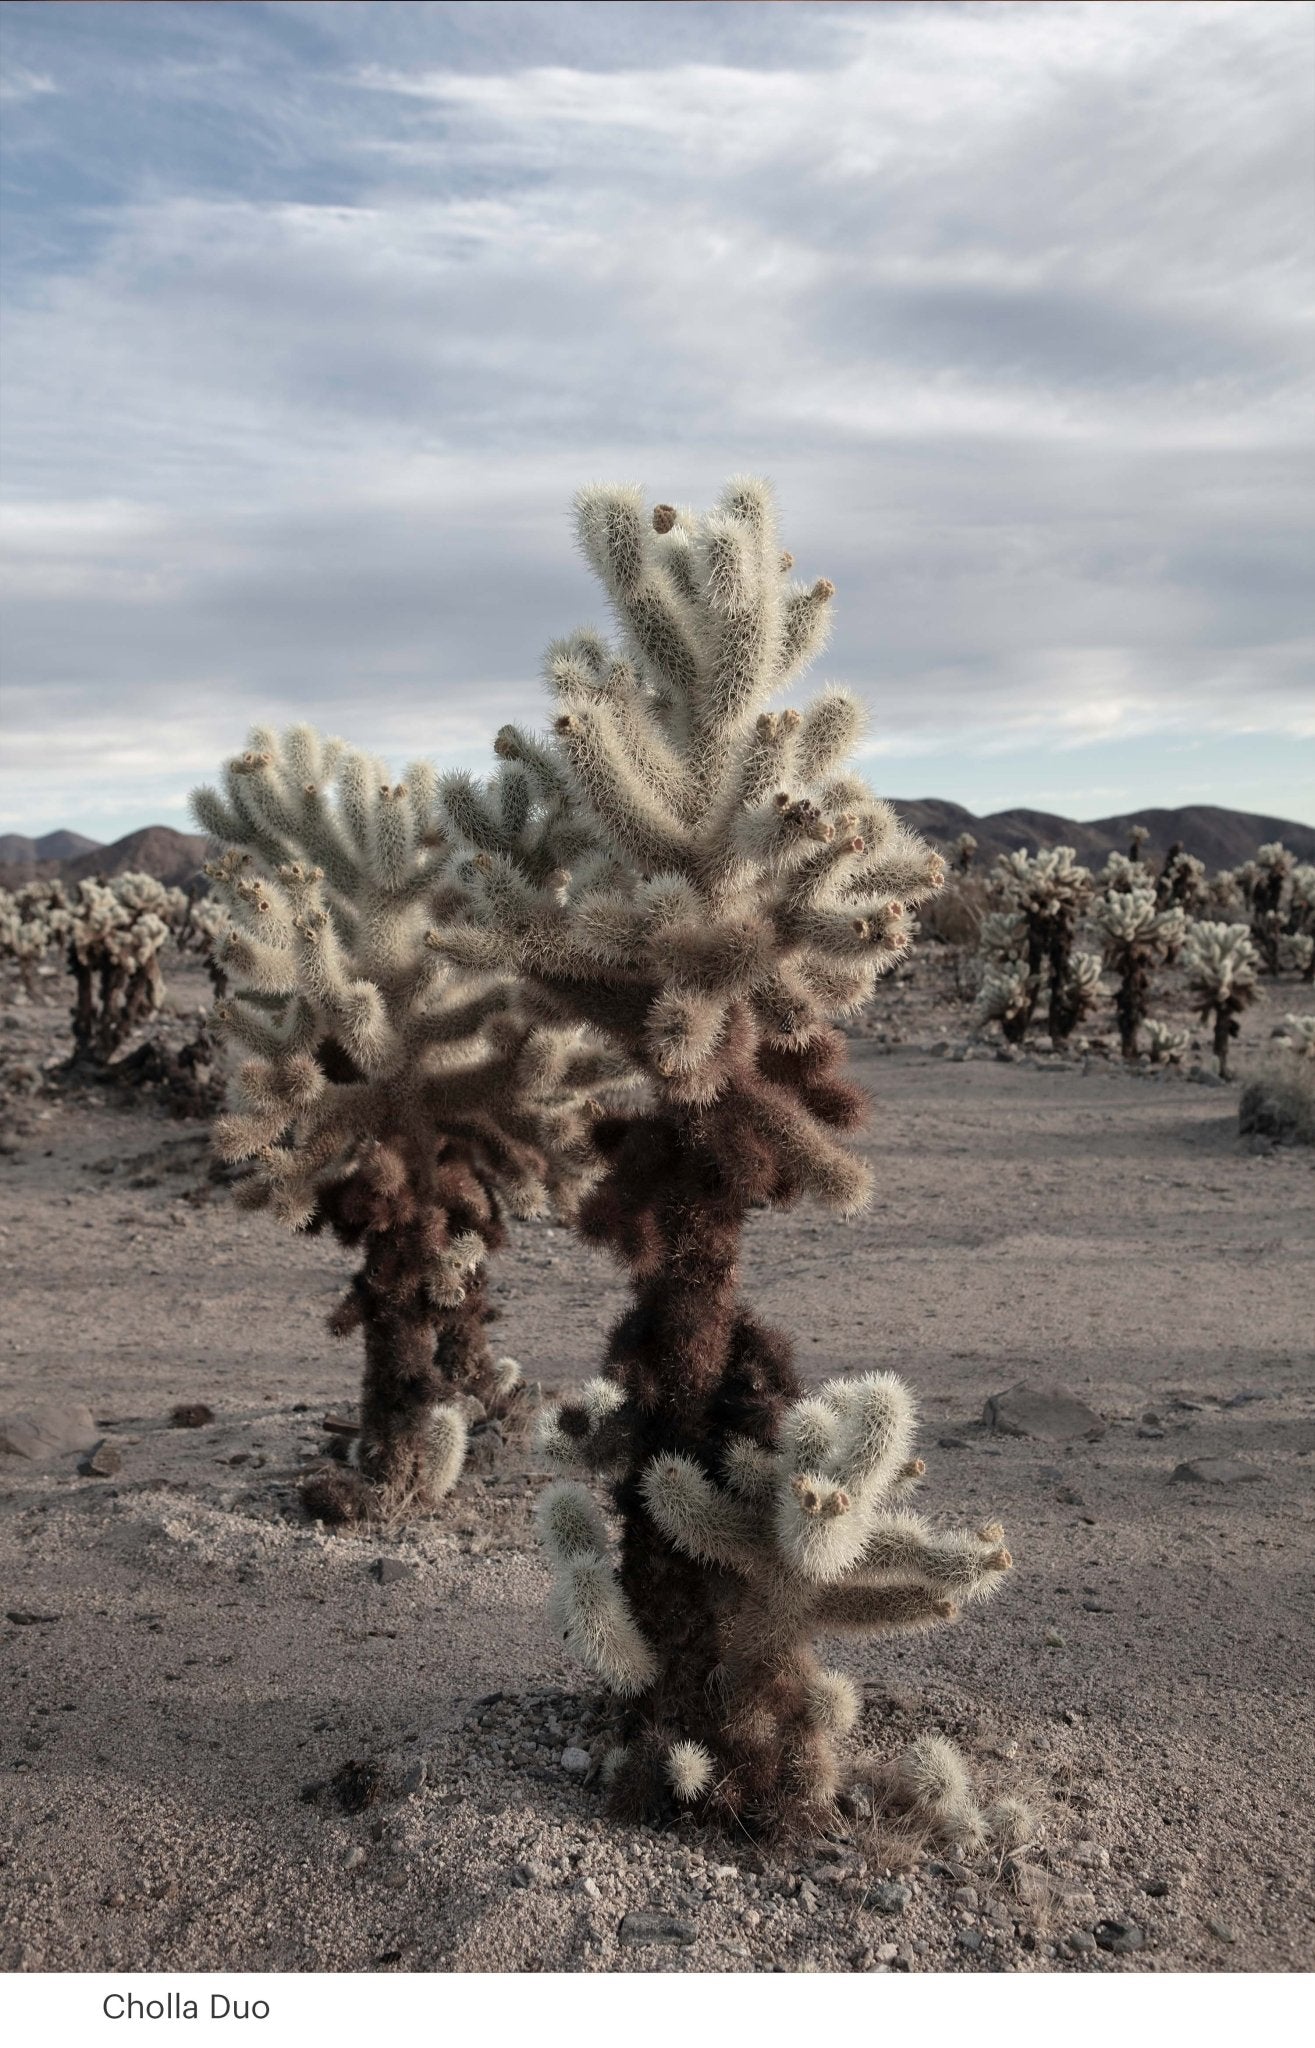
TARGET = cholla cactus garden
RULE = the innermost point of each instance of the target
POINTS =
(387, 1097)
(746, 889)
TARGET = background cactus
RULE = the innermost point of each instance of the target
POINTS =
(34, 921)
(1220, 962)
(116, 933)
(1182, 881)
(734, 889)
(387, 1096)
(1137, 937)
(1278, 1098)
(963, 853)
(1028, 944)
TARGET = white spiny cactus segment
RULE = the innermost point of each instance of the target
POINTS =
(1219, 959)
(611, 1764)
(507, 1374)
(1166, 1044)
(447, 1448)
(1010, 1823)
(599, 1398)
(689, 1770)
(833, 1703)
(594, 1618)
(749, 1470)
(700, 1518)
(569, 1523)
(455, 1265)
(817, 1529)
(1296, 1035)
(932, 1781)
(810, 1433)
(959, 1564)
(877, 1432)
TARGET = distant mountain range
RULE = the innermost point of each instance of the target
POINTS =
(1221, 838)
(172, 857)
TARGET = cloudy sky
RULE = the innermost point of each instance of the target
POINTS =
(316, 315)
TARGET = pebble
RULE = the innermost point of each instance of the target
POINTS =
(191, 1415)
(1216, 1472)
(1220, 1929)
(1051, 1412)
(1090, 1856)
(1053, 1640)
(889, 1897)
(390, 1571)
(965, 1898)
(575, 1761)
(354, 1857)
(970, 1938)
(414, 1781)
(642, 1927)
(1081, 1942)
(886, 1953)
(103, 1463)
(1119, 1937)
(48, 1430)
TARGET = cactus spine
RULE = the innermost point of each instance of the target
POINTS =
(737, 888)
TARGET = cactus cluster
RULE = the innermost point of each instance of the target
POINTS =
(704, 882)
(400, 1102)
(1028, 944)
(116, 933)
(34, 921)
(1137, 936)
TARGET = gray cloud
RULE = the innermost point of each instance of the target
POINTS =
(313, 336)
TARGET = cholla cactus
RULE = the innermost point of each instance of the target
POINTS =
(116, 933)
(964, 853)
(1264, 883)
(736, 890)
(1297, 1035)
(1121, 874)
(1220, 961)
(1137, 938)
(813, 1537)
(34, 920)
(1182, 881)
(1166, 1044)
(1028, 944)
(1137, 838)
(397, 1102)
(1301, 920)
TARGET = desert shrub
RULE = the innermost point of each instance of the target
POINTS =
(954, 918)
(388, 1097)
(1137, 937)
(746, 890)
(1028, 944)
(1278, 1096)
(1220, 963)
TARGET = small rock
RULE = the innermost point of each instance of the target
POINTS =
(1119, 1937)
(1090, 1856)
(575, 1761)
(590, 1888)
(1069, 1497)
(1216, 1472)
(1220, 1930)
(191, 1415)
(1154, 1436)
(1247, 1394)
(1156, 1887)
(965, 1898)
(1050, 1412)
(49, 1430)
(1081, 1942)
(390, 1571)
(886, 1953)
(1053, 1640)
(103, 1463)
(888, 1897)
(642, 1927)
(970, 1938)
(953, 1443)
(414, 1780)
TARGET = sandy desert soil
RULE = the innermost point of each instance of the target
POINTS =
(186, 1664)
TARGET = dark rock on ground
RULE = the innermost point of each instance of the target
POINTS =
(1051, 1412)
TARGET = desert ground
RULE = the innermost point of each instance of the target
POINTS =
(188, 1664)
